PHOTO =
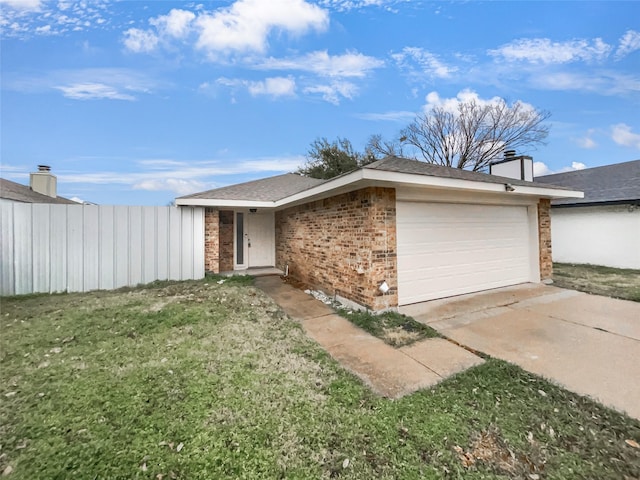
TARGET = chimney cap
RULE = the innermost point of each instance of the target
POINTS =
(44, 168)
(509, 153)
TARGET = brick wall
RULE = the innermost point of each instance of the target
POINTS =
(211, 240)
(343, 245)
(218, 240)
(544, 238)
(226, 240)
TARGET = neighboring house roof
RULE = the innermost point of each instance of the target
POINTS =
(617, 183)
(21, 193)
(266, 189)
(283, 190)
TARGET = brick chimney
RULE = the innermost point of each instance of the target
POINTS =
(511, 166)
(43, 181)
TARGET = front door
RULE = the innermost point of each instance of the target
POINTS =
(254, 240)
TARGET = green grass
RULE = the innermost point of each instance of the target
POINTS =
(394, 328)
(612, 282)
(200, 380)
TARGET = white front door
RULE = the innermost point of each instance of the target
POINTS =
(254, 240)
(260, 239)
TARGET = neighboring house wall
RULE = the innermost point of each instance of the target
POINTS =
(599, 235)
(344, 245)
(544, 239)
(77, 248)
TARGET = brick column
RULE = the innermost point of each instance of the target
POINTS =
(544, 238)
(211, 240)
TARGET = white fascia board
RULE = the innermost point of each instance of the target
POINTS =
(469, 185)
(212, 202)
(334, 184)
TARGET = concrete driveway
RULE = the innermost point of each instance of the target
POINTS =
(587, 343)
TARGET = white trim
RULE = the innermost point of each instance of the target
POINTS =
(368, 176)
(212, 202)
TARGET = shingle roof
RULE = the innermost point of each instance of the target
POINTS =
(416, 167)
(21, 193)
(266, 189)
(615, 183)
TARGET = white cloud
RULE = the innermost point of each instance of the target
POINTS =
(140, 41)
(601, 82)
(346, 5)
(182, 177)
(545, 51)
(540, 168)
(350, 64)
(451, 105)
(418, 62)
(334, 92)
(275, 87)
(629, 42)
(401, 116)
(246, 25)
(26, 18)
(177, 186)
(22, 4)
(587, 141)
(93, 91)
(176, 24)
(622, 135)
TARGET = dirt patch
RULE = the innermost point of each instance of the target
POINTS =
(400, 336)
(488, 448)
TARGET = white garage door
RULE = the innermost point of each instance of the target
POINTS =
(451, 249)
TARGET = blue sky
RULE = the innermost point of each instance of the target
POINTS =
(135, 102)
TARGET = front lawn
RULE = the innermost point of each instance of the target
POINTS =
(612, 282)
(201, 380)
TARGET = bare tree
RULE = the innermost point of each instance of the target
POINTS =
(379, 147)
(474, 134)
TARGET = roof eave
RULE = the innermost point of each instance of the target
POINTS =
(218, 202)
(384, 177)
(467, 185)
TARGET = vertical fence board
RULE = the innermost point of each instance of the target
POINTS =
(51, 248)
(75, 251)
(107, 245)
(121, 246)
(7, 279)
(91, 250)
(174, 244)
(58, 248)
(150, 235)
(41, 254)
(22, 247)
(162, 242)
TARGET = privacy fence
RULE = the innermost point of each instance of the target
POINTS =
(77, 248)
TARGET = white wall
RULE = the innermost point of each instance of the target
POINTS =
(77, 248)
(606, 235)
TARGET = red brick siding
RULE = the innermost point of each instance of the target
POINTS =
(211, 239)
(544, 236)
(226, 240)
(343, 245)
(218, 240)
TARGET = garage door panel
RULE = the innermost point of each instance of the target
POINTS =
(451, 249)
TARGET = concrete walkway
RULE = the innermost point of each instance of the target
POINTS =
(590, 344)
(390, 372)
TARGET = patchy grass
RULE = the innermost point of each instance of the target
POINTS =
(200, 380)
(394, 328)
(611, 282)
